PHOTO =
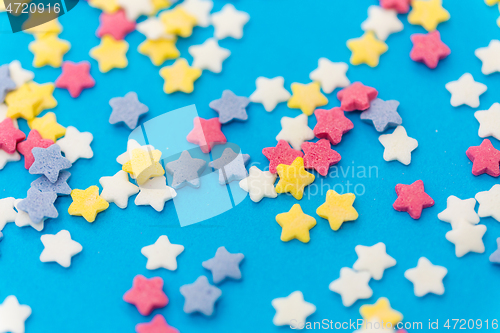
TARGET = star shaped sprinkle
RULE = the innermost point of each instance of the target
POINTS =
(292, 309)
(337, 209)
(230, 107)
(23, 218)
(162, 254)
(426, 278)
(398, 146)
(489, 121)
(331, 75)
(357, 96)
(179, 77)
(259, 184)
(306, 97)
(75, 77)
(186, 170)
(373, 259)
(146, 294)
(9, 136)
(382, 22)
(293, 178)
(144, 165)
(18, 74)
(495, 256)
(155, 193)
(45, 93)
(281, 154)
(351, 286)
(206, 133)
(76, 144)
(157, 325)
(412, 199)
(134, 9)
(60, 187)
(6, 83)
(22, 104)
(13, 315)
(208, 55)
(7, 212)
(224, 265)
(295, 131)
(459, 212)
(154, 29)
(87, 203)
(231, 166)
(200, 9)
(319, 156)
(47, 126)
(49, 162)
(489, 203)
(111, 53)
(229, 22)
(127, 109)
(48, 50)
(200, 296)
(159, 50)
(467, 238)
(428, 48)
(489, 56)
(465, 91)
(331, 124)
(381, 309)
(366, 49)
(295, 224)
(383, 114)
(401, 6)
(178, 22)
(270, 92)
(115, 24)
(485, 159)
(131, 146)
(39, 205)
(59, 248)
(117, 189)
(5, 158)
(107, 6)
(428, 13)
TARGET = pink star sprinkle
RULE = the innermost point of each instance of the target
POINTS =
(34, 140)
(206, 134)
(412, 199)
(428, 48)
(332, 124)
(157, 325)
(319, 156)
(9, 136)
(401, 6)
(146, 294)
(75, 77)
(485, 159)
(357, 96)
(116, 25)
(281, 154)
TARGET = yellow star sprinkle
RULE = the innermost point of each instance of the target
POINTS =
(48, 50)
(45, 92)
(159, 5)
(366, 49)
(111, 53)
(159, 50)
(179, 77)
(178, 22)
(306, 97)
(144, 165)
(381, 310)
(52, 27)
(428, 14)
(293, 178)
(338, 209)
(87, 203)
(107, 6)
(47, 126)
(22, 103)
(295, 224)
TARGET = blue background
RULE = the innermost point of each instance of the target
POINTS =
(282, 38)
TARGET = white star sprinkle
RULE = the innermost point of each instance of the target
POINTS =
(199, 9)
(162, 254)
(295, 131)
(23, 219)
(154, 29)
(352, 285)
(7, 212)
(292, 310)
(490, 57)
(13, 315)
(426, 278)
(134, 8)
(76, 144)
(373, 259)
(489, 121)
(259, 184)
(465, 91)
(270, 92)
(467, 238)
(459, 212)
(398, 146)
(118, 189)
(209, 55)
(330, 75)
(155, 192)
(382, 22)
(6, 158)
(229, 22)
(18, 74)
(59, 248)
(489, 203)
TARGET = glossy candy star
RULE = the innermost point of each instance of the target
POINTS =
(293, 178)
(295, 131)
(186, 170)
(47, 126)
(401, 6)
(144, 165)
(382, 310)
(295, 224)
(306, 97)
(412, 199)
(428, 14)
(206, 133)
(9, 136)
(383, 114)
(224, 265)
(200, 296)
(146, 294)
(60, 187)
(75, 77)
(49, 162)
(231, 166)
(157, 325)
(428, 48)
(337, 209)
(357, 96)
(39, 205)
(366, 50)
(115, 24)
(208, 55)
(281, 154)
(159, 50)
(331, 124)
(270, 92)
(319, 156)
(6, 83)
(48, 50)
(127, 109)
(87, 203)
(178, 22)
(111, 53)
(179, 77)
(230, 107)
(485, 159)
